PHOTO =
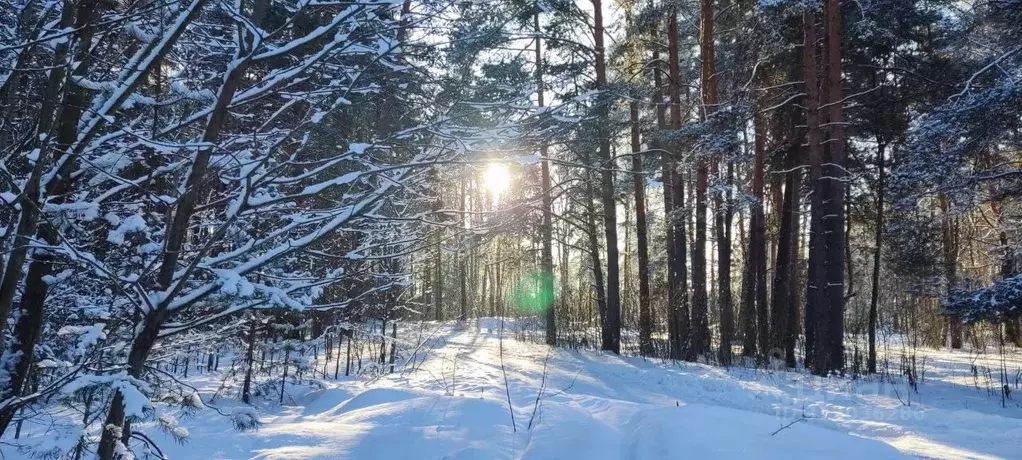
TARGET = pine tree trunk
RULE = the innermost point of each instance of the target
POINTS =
(642, 245)
(246, 387)
(347, 359)
(639, 184)
(564, 256)
(680, 232)
(724, 295)
(383, 341)
(427, 285)
(674, 333)
(393, 344)
(849, 260)
(462, 242)
(708, 83)
(816, 314)
(438, 284)
(1013, 331)
(498, 287)
(1011, 324)
(794, 269)
(611, 337)
(724, 221)
(747, 308)
(140, 347)
(283, 377)
(949, 234)
(834, 214)
(874, 296)
(546, 230)
(782, 299)
(594, 255)
(754, 305)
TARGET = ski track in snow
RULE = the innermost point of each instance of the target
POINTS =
(601, 406)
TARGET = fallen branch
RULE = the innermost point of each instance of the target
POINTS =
(800, 419)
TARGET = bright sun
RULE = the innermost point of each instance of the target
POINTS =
(497, 178)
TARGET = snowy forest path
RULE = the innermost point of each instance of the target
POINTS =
(452, 403)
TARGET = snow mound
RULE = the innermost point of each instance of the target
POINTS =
(372, 397)
(425, 427)
(699, 431)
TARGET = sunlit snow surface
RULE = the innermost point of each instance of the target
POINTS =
(599, 406)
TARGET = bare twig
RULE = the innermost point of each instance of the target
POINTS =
(504, 371)
(542, 386)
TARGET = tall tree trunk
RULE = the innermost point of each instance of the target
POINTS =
(874, 296)
(564, 256)
(754, 306)
(611, 337)
(546, 231)
(674, 190)
(594, 252)
(834, 214)
(462, 270)
(645, 317)
(639, 183)
(427, 284)
(487, 306)
(684, 323)
(849, 262)
(723, 212)
(708, 84)
(777, 198)
(949, 243)
(783, 301)
(666, 178)
(498, 287)
(438, 283)
(347, 358)
(794, 269)
(724, 295)
(747, 308)
(493, 288)
(1011, 324)
(246, 387)
(115, 427)
(383, 340)
(815, 310)
(393, 344)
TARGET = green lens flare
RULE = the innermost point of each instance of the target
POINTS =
(534, 293)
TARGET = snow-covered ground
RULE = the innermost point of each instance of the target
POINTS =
(453, 404)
